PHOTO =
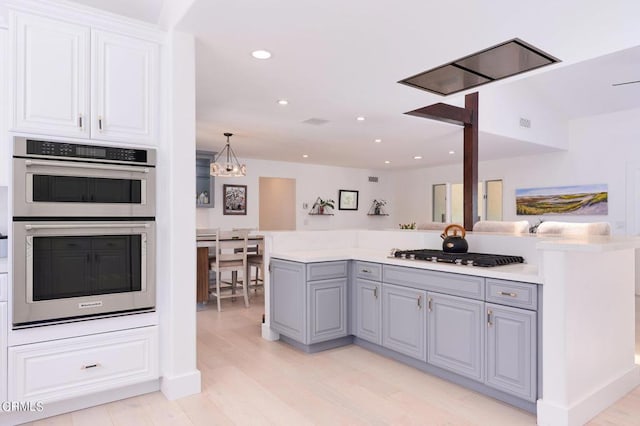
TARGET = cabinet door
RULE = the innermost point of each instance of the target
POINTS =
(52, 76)
(368, 310)
(204, 181)
(288, 295)
(404, 320)
(125, 73)
(327, 309)
(3, 351)
(511, 351)
(456, 335)
(5, 151)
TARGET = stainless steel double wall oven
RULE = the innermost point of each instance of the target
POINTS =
(83, 231)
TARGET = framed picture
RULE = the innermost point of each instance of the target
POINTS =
(235, 199)
(348, 200)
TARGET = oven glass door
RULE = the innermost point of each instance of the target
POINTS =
(84, 265)
(54, 188)
(82, 189)
(68, 269)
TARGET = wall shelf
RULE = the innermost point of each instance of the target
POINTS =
(379, 214)
(321, 214)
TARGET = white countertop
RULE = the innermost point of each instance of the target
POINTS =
(4, 265)
(515, 272)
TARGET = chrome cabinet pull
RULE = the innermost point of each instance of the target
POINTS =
(375, 292)
(80, 120)
(365, 271)
(430, 304)
(88, 366)
(504, 293)
(489, 312)
(99, 122)
(419, 302)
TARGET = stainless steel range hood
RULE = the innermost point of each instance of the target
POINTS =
(495, 63)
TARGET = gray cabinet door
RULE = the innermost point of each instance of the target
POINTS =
(327, 309)
(456, 335)
(511, 351)
(368, 305)
(288, 295)
(404, 320)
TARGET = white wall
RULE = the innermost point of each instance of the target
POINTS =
(311, 181)
(4, 210)
(598, 150)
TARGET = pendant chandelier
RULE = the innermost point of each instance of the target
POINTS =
(226, 163)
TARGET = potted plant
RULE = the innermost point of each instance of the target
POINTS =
(321, 204)
(377, 206)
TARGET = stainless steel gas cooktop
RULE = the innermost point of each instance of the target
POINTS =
(471, 259)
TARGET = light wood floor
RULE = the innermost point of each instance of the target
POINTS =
(247, 380)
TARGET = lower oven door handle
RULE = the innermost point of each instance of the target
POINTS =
(88, 225)
(68, 164)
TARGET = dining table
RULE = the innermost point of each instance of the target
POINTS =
(205, 239)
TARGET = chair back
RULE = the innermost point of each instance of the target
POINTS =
(432, 226)
(574, 229)
(231, 248)
(516, 227)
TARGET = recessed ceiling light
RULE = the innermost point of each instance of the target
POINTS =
(418, 157)
(378, 140)
(283, 102)
(305, 156)
(452, 152)
(361, 118)
(387, 162)
(261, 54)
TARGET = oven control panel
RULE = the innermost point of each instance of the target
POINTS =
(92, 152)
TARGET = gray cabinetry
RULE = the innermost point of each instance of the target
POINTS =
(404, 320)
(288, 295)
(368, 306)
(305, 309)
(327, 307)
(456, 334)
(511, 351)
(204, 181)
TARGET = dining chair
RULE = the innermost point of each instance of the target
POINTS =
(256, 260)
(506, 227)
(230, 256)
(573, 229)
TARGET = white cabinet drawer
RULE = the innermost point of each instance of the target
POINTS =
(67, 368)
(4, 284)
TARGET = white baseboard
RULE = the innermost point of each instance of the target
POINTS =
(269, 334)
(579, 413)
(175, 387)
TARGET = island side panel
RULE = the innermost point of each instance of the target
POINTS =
(588, 333)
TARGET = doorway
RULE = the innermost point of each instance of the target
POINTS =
(277, 207)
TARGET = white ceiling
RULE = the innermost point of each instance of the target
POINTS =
(336, 59)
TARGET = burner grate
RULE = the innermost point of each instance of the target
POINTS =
(475, 259)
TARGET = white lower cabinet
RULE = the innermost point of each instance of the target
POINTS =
(3, 349)
(62, 369)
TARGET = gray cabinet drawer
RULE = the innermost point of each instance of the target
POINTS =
(441, 282)
(368, 271)
(326, 270)
(512, 293)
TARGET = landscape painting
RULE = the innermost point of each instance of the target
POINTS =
(575, 200)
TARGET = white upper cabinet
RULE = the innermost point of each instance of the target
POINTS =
(78, 81)
(51, 76)
(124, 90)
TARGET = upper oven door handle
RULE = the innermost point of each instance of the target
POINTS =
(69, 164)
(87, 225)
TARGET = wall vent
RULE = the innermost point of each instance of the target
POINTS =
(525, 122)
(373, 179)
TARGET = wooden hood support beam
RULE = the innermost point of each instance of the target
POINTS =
(467, 117)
